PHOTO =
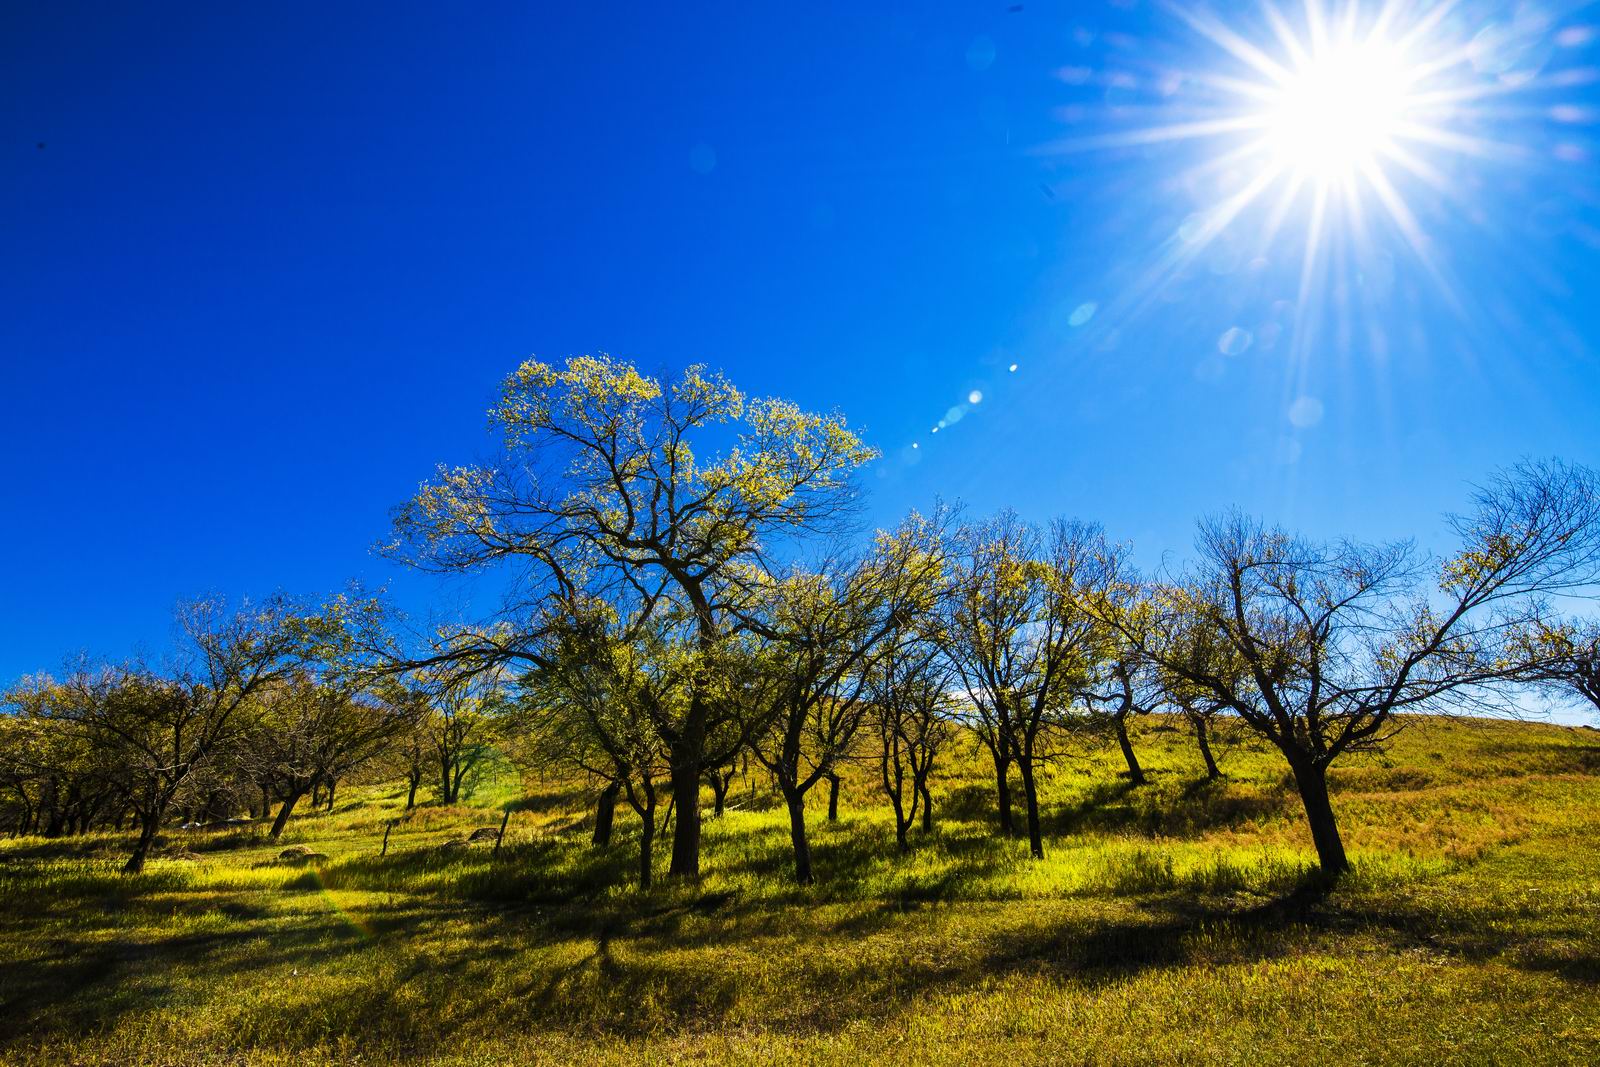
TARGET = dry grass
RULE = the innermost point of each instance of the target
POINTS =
(1169, 923)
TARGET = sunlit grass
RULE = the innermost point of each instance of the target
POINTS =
(1172, 922)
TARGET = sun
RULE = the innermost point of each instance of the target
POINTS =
(1339, 112)
(1338, 115)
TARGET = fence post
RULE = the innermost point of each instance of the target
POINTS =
(502, 835)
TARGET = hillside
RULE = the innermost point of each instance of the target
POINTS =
(1172, 922)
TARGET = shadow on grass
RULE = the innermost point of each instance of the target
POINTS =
(1191, 810)
(677, 959)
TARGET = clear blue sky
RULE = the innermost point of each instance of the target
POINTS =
(271, 261)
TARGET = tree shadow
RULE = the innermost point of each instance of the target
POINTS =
(1121, 807)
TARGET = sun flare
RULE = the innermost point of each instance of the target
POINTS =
(1325, 133)
(1340, 111)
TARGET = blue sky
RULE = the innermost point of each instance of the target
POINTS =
(270, 263)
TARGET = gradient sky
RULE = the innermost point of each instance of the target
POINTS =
(263, 266)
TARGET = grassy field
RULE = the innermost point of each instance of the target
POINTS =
(1170, 923)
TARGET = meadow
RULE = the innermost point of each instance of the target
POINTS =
(1175, 922)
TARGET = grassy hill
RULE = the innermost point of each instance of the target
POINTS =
(1173, 922)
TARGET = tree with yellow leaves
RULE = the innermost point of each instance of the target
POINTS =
(1026, 648)
(614, 485)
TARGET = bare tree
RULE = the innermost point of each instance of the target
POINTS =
(1336, 639)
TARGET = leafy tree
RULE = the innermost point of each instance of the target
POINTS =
(1023, 643)
(55, 779)
(164, 727)
(458, 726)
(595, 703)
(912, 710)
(1563, 658)
(608, 484)
(825, 631)
(309, 732)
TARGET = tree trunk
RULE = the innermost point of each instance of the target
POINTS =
(647, 842)
(605, 815)
(411, 796)
(1030, 795)
(719, 792)
(147, 835)
(833, 798)
(797, 834)
(333, 783)
(1202, 735)
(686, 831)
(1135, 772)
(1312, 781)
(266, 802)
(283, 813)
(1002, 784)
(927, 807)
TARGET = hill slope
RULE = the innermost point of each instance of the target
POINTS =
(1172, 922)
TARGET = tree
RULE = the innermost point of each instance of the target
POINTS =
(1335, 640)
(911, 710)
(603, 489)
(1022, 642)
(593, 705)
(1192, 641)
(1123, 701)
(458, 724)
(310, 732)
(164, 727)
(1563, 658)
(719, 779)
(825, 632)
(53, 779)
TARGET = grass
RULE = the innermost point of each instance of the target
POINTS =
(1170, 923)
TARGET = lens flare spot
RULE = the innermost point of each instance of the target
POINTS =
(1305, 412)
(1082, 313)
(1234, 341)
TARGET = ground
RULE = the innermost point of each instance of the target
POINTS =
(1174, 922)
